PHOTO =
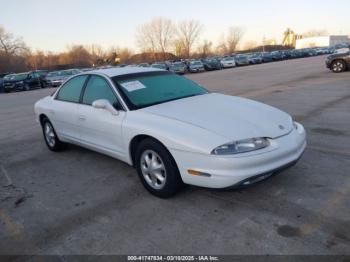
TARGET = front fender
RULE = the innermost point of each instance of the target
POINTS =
(173, 134)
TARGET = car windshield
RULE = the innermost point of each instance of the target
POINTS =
(147, 89)
(19, 77)
(61, 73)
(53, 74)
(227, 58)
(160, 66)
(177, 65)
(196, 63)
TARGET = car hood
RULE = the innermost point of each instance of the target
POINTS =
(196, 66)
(231, 117)
(337, 55)
(12, 81)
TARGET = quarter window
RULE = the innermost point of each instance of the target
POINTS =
(98, 88)
(71, 90)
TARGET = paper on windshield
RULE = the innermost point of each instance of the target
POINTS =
(133, 85)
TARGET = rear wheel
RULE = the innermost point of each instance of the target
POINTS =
(338, 66)
(157, 169)
(50, 136)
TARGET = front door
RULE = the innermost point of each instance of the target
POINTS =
(99, 128)
(64, 111)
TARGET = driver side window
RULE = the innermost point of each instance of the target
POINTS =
(98, 88)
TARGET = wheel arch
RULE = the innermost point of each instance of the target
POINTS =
(340, 59)
(136, 140)
(42, 116)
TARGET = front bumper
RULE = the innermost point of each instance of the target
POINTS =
(228, 65)
(195, 70)
(232, 171)
(13, 87)
(56, 83)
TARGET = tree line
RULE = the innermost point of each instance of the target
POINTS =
(157, 39)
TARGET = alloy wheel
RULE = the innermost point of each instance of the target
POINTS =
(153, 169)
(338, 66)
(50, 136)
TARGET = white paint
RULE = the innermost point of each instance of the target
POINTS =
(189, 128)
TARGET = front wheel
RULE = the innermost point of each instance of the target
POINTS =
(157, 169)
(26, 87)
(50, 136)
(338, 66)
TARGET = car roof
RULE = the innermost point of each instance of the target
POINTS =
(118, 71)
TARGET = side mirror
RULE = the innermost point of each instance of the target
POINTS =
(106, 105)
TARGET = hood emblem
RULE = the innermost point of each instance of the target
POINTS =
(281, 127)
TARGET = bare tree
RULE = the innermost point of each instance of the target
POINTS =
(124, 54)
(9, 44)
(233, 38)
(205, 48)
(155, 36)
(188, 33)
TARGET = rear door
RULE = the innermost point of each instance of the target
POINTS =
(99, 128)
(63, 113)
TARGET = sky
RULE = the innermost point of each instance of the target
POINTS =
(52, 25)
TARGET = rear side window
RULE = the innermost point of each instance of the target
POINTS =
(71, 90)
(98, 88)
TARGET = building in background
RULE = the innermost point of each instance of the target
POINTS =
(322, 41)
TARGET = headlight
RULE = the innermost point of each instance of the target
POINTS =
(241, 146)
(20, 82)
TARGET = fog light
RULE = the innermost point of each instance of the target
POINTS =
(197, 173)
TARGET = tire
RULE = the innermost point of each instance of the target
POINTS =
(165, 180)
(26, 87)
(338, 66)
(50, 136)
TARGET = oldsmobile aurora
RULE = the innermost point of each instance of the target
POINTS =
(170, 129)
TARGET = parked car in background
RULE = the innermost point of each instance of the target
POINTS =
(338, 62)
(286, 54)
(241, 60)
(144, 65)
(56, 78)
(296, 53)
(2, 81)
(178, 68)
(196, 66)
(276, 55)
(22, 81)
(160, 66)
(87, 69)
(211, 64)
(254, 58)
(266, 57)
(43, 74)
(228, 62)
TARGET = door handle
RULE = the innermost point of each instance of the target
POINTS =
(82, 118)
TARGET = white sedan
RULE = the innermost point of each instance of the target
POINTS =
(228, 62)
(170, 129)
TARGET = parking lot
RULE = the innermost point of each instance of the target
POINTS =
(82, 202)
